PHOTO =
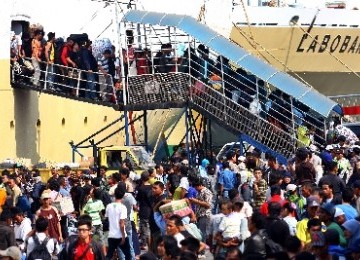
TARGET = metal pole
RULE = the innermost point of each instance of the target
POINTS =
(187, 133)
(46, 74)
(146, 131)
(78, 83)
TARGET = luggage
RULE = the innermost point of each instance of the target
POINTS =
(175, 207)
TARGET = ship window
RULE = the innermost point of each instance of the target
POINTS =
(85, 120)
(12, 125)
(63, 121)
(105, 118)
(38, 123)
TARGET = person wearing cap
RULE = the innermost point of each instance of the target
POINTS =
(144, 202)
(346, 205)
(52, 214)
(293, 196)
(287, 214)
(326, 215)
(302, 232)
(326, 155)
(11, 253)
(331, 177)
(339, 216)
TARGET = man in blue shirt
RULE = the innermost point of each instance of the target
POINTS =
(227, 180)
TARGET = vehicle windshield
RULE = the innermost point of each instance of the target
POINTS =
(143, 156)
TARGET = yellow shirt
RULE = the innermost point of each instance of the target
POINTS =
(302, 232)
(302, 135)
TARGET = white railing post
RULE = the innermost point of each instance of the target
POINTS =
(78, 83)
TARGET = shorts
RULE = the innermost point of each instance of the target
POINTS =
(98, 234)
(144, 230)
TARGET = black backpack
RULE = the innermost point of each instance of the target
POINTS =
(40, 251)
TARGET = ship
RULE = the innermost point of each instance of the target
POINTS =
(32, 121)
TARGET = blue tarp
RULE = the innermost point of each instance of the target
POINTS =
(261, 69)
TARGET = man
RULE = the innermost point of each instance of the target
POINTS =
(328, 193)
(275, 192)
(144, 201)
(16, 192)
(37, 51)
(255, 244)
(331, 177)
(326, 215)
(117, 214)
(159, 175)
(83, 247)
(343, 165)
(40, 236)
(339, 216)
(302, 232)
(50, 58)
(105, 79)
(157, 196)
(89, 64)
(203, 206)
(347, 198)
(22, 227)
(356, 186)
(7, 235)
(54, 175)
(227, 180)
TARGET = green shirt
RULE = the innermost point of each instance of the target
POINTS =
(335, 226)
(93, 208)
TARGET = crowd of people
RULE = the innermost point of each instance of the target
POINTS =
(241, 207)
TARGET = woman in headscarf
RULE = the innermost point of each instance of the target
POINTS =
(352, 234)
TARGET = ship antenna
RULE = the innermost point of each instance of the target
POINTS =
(313, 22)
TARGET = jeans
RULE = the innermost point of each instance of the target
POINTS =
(128, 230)
(50, 76)
(115, 244)
(90, 91)
(202, 224)
(37, 71)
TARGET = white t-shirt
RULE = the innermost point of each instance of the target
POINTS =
(292, 222)
(179, 237)
(22, 230)
(230, 225)
(52, 246)
(115, 211)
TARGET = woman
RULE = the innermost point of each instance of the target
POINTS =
(352, 234)
(52, 215)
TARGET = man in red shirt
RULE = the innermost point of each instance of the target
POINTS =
(275, 197)
(84, 248)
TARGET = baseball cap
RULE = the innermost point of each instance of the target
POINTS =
(313, 201)
(338, 212)
(45, 195)
(13, 252)
(291, 187)
(329, 208)
(329, 147)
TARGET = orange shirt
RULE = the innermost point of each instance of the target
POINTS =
(37, 49)
(79, 250)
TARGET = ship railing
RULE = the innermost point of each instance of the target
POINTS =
(69, 81)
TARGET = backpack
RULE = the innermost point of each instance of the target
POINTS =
(40, 251)
(39, 187)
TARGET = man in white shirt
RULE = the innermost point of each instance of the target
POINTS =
(22, 227)
(116, 212)
(41, 225)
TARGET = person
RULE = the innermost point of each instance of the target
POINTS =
(259, 188)
(326, 215)
(347, 197)
(40, 235)
(352, 233)
(37, 51)
(227, 180)
(22, 227)
(255, 244)
(105, 79)
(7, 235)
(144, 202)
(287, 214)
(94, 207)
(332, 240)
(50, 58)
(11, 253)
(83, 247)
(331, 177)
(328, 194)
(53, 216)
(116, 212)
(16, 191)
(203, 206)
(88, 63)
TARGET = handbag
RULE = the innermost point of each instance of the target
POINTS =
(64, 205)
